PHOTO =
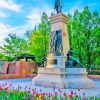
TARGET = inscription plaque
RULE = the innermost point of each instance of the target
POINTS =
(52, 62)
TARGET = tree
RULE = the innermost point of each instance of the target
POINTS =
(14, 45)
(84, 30)
(39, 38)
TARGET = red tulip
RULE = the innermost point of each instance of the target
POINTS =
(78, 89)
(37, 94)
(6, 88)
(64, 94)
(70, 96)
(1, 88)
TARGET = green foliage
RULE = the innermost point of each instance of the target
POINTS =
(84, 33)
(6, 58)
(39, 39)
(94, 73)
(1, 55)
(14, 45)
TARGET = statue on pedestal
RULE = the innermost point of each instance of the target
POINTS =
(58, 6)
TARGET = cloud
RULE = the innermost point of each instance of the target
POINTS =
(4, 30)
(34, 16)
(10, 5)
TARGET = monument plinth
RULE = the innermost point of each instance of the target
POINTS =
(54, 75)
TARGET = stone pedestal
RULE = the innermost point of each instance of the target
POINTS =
(77, 78)
(51, 78)
(54, 75)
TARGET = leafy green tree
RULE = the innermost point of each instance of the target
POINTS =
(39, 38)
(84, 31)
(14, 45)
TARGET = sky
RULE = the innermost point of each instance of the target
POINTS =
(17, 16)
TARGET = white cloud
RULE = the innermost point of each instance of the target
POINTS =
(4, 30)
(35, 14)
(10, 5)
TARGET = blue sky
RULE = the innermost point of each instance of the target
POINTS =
(17, 16)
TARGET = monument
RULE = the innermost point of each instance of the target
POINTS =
(55, 74)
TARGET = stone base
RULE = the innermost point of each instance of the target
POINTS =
(51, 78)
(72, 78)
(77, 78)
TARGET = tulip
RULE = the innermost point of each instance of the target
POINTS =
(64, 94)
(1, 88)
(37, 95)
(72, 92)
(6, 88)
(70, 96)
(78, 89)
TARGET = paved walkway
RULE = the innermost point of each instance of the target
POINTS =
(22, 82)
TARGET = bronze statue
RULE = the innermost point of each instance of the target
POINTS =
(56, 42)
(58, 6)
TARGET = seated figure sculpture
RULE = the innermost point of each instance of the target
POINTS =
(71, 62)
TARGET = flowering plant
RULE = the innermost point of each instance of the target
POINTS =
(8, 92)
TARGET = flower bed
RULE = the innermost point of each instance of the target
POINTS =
(7, 92)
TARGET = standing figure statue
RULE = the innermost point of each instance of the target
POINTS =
(56, 42)
(58, 6)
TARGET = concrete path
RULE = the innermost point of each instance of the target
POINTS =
(23, 82)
